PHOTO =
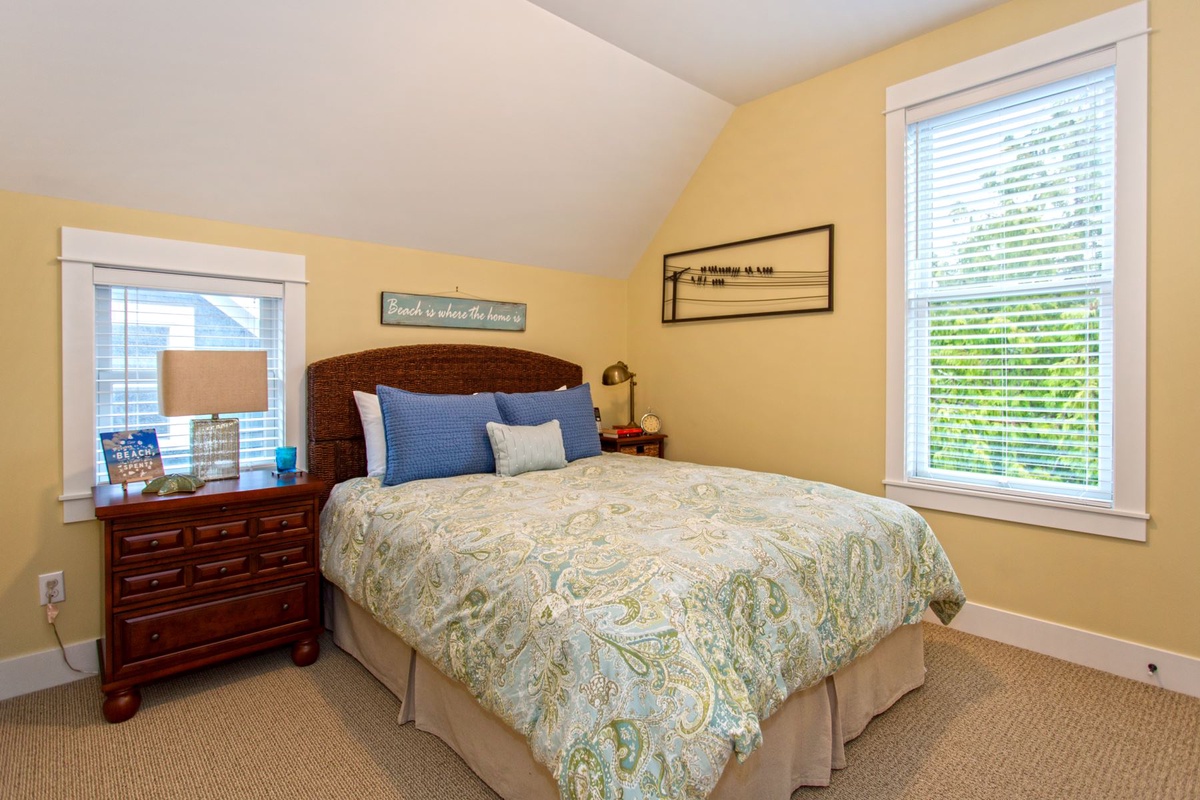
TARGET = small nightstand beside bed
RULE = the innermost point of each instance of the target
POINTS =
(620, 625)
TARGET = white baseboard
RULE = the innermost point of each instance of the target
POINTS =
(1176, 672)
(30, 673)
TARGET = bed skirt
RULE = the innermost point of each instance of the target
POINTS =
(802, 742)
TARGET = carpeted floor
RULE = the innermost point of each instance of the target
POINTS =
(991, 722)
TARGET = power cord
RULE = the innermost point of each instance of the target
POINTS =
(51, 614)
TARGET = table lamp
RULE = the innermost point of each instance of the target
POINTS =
(212, 382)
(619, 373)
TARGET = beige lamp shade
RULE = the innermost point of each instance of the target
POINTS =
(211, 382)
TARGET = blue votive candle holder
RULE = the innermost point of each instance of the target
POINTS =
(285, 459)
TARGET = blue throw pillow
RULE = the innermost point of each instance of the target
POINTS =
(572, 408)
(436, 435)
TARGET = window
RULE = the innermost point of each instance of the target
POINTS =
(127, 297)
(1017, 282)
(134, 322)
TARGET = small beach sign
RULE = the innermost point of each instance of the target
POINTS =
(433, 311)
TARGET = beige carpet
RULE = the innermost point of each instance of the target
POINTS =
(991, 722)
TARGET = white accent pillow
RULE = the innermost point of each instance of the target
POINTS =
(372, 422)
(525, 448)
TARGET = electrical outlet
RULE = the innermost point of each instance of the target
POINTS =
(51, 588)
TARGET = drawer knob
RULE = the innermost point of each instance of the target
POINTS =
(154, 637)
(283, 560)
(286, 606)
(223, 533)
(283, 524)
(223, 570)
(154, 542)
(154, 583)
(224, 508)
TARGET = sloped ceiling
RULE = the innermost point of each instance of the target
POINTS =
(487, 128)
(740, 51)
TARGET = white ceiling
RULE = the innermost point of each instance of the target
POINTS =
(487, 128)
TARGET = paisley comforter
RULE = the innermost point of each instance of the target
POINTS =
(634, 618)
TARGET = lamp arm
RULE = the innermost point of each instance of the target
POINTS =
(632, 414)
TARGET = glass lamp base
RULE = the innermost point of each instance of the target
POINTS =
(215, 446)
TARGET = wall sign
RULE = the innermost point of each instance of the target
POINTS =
(433, 311)
(784, 273)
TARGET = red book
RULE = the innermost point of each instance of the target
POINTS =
(620, 433)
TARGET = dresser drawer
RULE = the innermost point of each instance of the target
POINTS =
(289, 523)
(278, 559)
(235, 530)
(150, 544)
(225, 569)
(145, 636)
(141, 586)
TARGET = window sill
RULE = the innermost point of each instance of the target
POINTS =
(78, 507)
(1045, 513)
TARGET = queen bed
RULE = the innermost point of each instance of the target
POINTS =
(618, 626)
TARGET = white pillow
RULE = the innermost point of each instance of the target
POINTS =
(525, 448)
(372, 422)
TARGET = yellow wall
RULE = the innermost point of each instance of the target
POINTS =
(804, 395)
(576, 317)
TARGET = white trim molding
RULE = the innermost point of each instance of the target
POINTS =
(1047, 514)
(85, 255)
(36, 671)
(171, 255)
(1119, 25)
(1176, 672)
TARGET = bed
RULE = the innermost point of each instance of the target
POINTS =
(622, 626)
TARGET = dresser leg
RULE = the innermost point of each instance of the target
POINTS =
(305, 652)
(122, 704)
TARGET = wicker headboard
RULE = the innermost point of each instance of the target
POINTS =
(336, 450)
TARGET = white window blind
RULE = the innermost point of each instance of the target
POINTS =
(137, 314)
(1009, 291)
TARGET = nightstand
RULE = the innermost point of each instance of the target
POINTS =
(194, 579)
(648, 444)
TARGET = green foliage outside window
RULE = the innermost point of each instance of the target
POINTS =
(1015, 379)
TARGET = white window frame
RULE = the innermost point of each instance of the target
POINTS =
(84, 254)
(1124, 29)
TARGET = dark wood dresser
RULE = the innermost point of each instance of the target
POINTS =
(193, 579)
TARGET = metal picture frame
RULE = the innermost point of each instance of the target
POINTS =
(782, 273)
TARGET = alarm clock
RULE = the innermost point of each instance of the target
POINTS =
(651, 423)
